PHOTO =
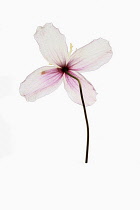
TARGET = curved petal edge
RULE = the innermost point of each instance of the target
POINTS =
(41, 82)
(72, 87)
(91, 56)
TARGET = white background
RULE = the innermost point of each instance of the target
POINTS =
(42, 144)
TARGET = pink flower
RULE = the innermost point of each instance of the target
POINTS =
(53, 47)
(66, 68)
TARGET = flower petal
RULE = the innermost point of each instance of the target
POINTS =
(72, 87)
(52, 44)
(91, 56)
(41, 82)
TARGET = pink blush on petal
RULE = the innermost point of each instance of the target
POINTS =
(72, 82)
(40, 83)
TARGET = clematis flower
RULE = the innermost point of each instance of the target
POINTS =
(65, 67)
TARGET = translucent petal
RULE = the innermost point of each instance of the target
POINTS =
(72, 87)
(91, 56)
(41, 82)
(52, 44)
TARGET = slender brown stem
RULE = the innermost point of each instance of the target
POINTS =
(85, 113)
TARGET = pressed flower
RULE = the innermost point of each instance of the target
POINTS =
(65, 67)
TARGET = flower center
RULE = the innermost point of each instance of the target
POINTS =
(64, 69)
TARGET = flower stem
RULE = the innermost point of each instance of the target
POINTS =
(85, 113)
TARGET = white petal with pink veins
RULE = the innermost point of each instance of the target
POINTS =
(41, 82)
(52, 44)
(72, 87)
(91, 56)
